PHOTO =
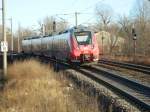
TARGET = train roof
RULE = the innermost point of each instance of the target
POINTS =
(73, 29)
(80, 28)
(35, 37)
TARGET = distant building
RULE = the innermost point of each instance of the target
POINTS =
(108, 42)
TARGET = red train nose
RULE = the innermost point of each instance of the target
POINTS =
(85, 49)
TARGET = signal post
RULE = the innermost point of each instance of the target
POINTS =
(134, 39)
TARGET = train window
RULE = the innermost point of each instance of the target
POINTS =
(83, 37)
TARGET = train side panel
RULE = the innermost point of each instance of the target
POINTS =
(26, 46)
(61, 48)
(36, 46)
(95, 49)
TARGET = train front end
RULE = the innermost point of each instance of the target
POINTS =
(84, 47)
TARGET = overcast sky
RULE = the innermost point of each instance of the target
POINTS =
(28, 12)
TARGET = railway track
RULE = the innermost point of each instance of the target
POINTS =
(132, 91)
(139, 68)
(135, 92)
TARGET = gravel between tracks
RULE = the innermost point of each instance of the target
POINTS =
(131, 74)
(107, 100)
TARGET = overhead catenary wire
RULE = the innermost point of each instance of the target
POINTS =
(87, 21)
(76, 13)
(72, 14)
(73, 4)
(91, 6)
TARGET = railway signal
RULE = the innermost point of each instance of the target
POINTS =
(134, 38)
(43, 30)
(134, 33)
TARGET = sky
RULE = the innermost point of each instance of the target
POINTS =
(27, 13)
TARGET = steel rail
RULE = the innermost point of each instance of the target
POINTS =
(137, 93)
(139, 68)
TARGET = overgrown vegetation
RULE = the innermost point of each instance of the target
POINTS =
(139, 20)
(34, 87)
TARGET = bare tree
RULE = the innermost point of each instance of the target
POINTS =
(61, 25)
(142, 23)
(28, 32)
(104, 13)
(125, 31)
(141, 20)
(48, 23)
(114, 35)
(105, 23)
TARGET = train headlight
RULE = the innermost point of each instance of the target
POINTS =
(77, 48)
(95, 56)
(93, 46)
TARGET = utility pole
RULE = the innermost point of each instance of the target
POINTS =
(76, 19)
(4, 39)
(18, 40)
(54, 26)
(43, 30)
(102, 44)
(12, 39)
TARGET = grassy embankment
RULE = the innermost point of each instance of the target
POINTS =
(34, 87)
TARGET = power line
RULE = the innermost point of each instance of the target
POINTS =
(71, 5)
(91, 18)
(75, 14)
(89, 7)
(74, 3)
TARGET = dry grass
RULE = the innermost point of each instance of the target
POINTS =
(33, 87)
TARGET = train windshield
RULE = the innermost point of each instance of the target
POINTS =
(83, 38)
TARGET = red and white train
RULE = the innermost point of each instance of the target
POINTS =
(73, 45)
